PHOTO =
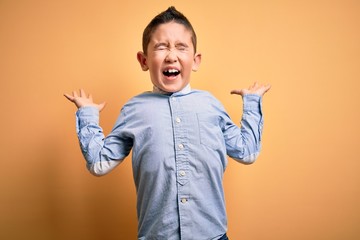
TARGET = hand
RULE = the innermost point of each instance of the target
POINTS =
(256, 88)
(83, 100)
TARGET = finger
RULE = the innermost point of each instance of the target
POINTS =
(82, 93)
(102, 106)
(252, 86)
(235, 91)
(69, 97)
(241, 92)
(263, 89)
(255, 86)
(75, 94)
(90, 97)
(267, 87)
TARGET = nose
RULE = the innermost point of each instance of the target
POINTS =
(171, 56)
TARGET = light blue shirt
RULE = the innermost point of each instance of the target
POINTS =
(180, 144)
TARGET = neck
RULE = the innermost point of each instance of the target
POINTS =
(186, 89)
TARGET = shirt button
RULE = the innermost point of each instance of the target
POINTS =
(183, 200)
(181, 146)
(182, 173)
(178, 120)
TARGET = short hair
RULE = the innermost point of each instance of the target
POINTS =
(169, 15)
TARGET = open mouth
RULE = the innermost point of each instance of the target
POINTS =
(171, 72)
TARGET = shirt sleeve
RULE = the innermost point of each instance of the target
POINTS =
(101, 154)
(243, 144)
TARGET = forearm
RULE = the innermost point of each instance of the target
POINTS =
(92, 144)
(247, 145)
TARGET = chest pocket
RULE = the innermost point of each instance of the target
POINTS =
(210, 131)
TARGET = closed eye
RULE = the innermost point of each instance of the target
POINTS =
(182, 46)
(160, 46)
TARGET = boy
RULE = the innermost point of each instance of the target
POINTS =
(180, 138)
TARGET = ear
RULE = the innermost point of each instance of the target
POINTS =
(197, 61)
(141, 57)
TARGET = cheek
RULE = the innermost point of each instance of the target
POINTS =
(153, 65)
(155, 61)
(189, 64)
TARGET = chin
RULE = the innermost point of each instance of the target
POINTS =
(173, 89)
(170, 88)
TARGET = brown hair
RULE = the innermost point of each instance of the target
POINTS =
(171, 14)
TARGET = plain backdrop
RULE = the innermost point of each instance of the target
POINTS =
(304, 185)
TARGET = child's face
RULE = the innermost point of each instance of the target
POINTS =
(170, 57)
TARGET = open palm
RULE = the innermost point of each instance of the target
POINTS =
(83, 100)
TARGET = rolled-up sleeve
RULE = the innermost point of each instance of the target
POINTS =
(243, 144)
(101, 154)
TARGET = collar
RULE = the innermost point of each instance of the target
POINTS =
(185, 90)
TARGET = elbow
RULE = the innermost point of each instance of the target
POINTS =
(249, 159)
(102, 168)
(96, 171)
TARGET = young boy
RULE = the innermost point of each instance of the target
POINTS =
(180, 138)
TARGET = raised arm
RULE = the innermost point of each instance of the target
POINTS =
(102, 154)
(243, 144)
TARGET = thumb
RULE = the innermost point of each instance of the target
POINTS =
(238, 92)
(101, 106)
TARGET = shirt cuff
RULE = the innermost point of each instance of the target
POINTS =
(252, 102)
(86, 116)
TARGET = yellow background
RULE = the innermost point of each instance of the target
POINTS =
(305, 184)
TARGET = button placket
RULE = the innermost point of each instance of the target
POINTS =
(181, 144)
(181, 147)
